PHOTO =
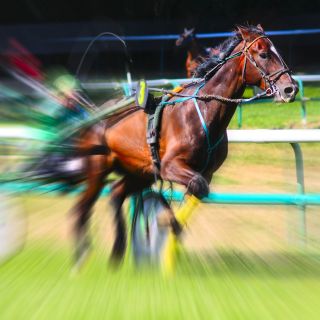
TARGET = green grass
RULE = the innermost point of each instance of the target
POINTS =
(37, 284)
(279, 116)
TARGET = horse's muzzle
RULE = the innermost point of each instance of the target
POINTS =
(287, 93)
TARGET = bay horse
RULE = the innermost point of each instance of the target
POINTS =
(196, 53)
(193, 141)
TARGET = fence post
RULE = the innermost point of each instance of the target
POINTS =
(126, 89)
(301, 190)
(303, 102)
(239, 116)
(129, 80)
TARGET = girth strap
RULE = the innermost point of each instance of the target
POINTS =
(154, 124)
(153, 132)
(211, 147)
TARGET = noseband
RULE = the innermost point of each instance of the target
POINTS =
(270, 78)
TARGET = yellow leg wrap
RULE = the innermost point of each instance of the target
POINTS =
(185, 212)
(172, 245)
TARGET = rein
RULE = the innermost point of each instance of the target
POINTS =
(208, 97)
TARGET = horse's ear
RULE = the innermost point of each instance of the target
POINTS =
(260, 27)
(245, 34)
(185, 30)
(192, 30)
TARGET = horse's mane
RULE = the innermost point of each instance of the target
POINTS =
(224, 49)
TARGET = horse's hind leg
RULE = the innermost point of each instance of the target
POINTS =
(82, 210)
(120, 191)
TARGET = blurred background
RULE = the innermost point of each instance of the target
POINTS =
(239, 261)
(58, 32)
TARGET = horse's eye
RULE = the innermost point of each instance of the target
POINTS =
(263, 55)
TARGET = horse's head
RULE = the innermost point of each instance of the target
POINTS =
(264, 67)
(185, 37)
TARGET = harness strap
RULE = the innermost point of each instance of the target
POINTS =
(211, 147)
(153, 127)
(203, 123)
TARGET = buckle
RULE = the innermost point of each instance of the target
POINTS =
(270, 91)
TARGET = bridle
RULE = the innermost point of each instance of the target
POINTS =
(270, 78)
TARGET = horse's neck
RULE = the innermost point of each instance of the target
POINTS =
(227, 83)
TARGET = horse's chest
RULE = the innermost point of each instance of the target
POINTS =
(205, 157)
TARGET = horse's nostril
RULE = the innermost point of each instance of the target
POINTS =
(288, 90)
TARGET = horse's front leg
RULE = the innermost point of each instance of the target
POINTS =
(197, 188)
(178, 171)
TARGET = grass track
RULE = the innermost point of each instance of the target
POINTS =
(37, 284)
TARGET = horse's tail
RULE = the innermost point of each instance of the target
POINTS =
(65, 172)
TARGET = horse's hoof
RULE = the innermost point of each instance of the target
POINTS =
(81, 260)
(198, 186)
(115, 260)
(81, 255)
(118, 252)
(176, 227)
